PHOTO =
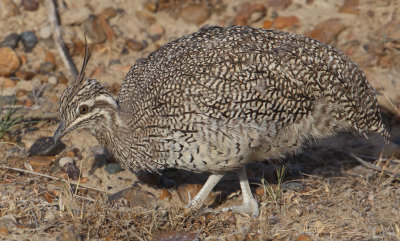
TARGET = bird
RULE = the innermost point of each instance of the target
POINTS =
(225, 96)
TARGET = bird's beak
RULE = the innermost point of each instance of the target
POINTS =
(60, 132)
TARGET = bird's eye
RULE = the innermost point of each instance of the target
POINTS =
(83, 109)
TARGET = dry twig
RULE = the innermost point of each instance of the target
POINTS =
(377, 168)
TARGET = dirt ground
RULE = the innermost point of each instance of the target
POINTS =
(324, 194)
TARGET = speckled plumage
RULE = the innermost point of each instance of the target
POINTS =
(222, 97)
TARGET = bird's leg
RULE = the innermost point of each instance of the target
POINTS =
(249, 205)
(212, 180)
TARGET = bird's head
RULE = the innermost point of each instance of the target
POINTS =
(85, 104)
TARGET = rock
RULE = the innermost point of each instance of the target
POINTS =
(26, 75)
(9, 61)
(10, 41)
(279, 5)
(29, 40)
(45, 146)
(84, 180)
(113, 168)
(52, 80)
(293, 186)
(165, 194)
(108, 13)
(284, 22)
(4, 231)
(152, 7)
(350, 6)
(46, 67)
(30, 5)
(304, 237)
(134, 45)
(28, 103)
(185, 190)
(8, 8)
(93, 29)
(250, 13)
(135, 197)
(156, 31)
(327, 31)
(196, 14)
(267, 24)
(6, 82)
(65, 160)
(41, 161)
(175, 236)
(69, 234)
(45, 32)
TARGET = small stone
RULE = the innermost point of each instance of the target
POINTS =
(152, 7)
(10, 41)
(293, 186)
(279, 5)
(156, 31)
(69, 234)
(350, 6)
(113, 168)
(9, 61)
(4, 231)
(185, 190)
(250, 13)
(41, 161)
(84, 180)
(304, 237)
(52, 80)
(135, 197)
(284, 22)
(45, 146)
(165, 194)
(46, 67)
(267, 24)
(6, 82)
(327, 31)
(175, 236)
(134, 45)
(108, 13)
(196, 14)
(45, 32)
(8, 8)
(62, 79)
(25, 75)
(30, 5)
(93, 29)
(29, 40)
(70, 154)
(65, 160)
(28, 103)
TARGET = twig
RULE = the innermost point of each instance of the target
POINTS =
(376, 168)
(62, 48)
(51, 177)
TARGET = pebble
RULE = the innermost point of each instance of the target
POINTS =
(45, 146)
(350, 6)
(4, 231)
(9, 8)
(267, 24)
(41, 161)
(184, 190)
(6, 82)
(65, 160)
(46, 67)
(156, 31)
(282, 22)
(279, 5)
(152, 7)
(93, 29)
(69, 234)
(30, 5)
(29, 40)
(250, 13)
(9, 61)
(84, 180)
(45, 32)
(175, 236)
(165, 194)
(304, 237)
(134, 45)
(113, 168)
(10, 41)
(26, 75)
(52, 80)
(108, 13)
(293, 186)
(196, 14)
(327, 31)
(135, 197)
